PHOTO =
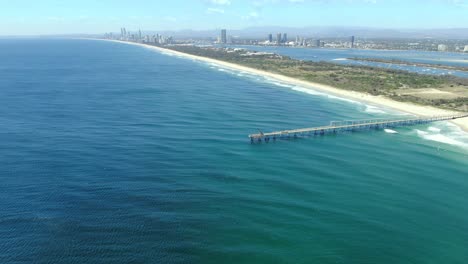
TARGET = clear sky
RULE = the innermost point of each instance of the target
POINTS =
(24, 17)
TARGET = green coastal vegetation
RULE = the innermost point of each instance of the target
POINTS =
(448, 92)
(400, 62)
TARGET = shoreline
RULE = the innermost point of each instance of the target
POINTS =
(361, 49)
(409, 108)
(406, 63)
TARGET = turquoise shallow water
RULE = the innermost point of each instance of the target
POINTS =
(116, 153)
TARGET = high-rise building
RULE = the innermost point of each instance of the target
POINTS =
(223, 39)
(317, 43)
(466, 49)
(139, 34)
(278, 38)
(285, 38)
(270, 38)
(299, 41)
(352, 41)
(123, 33)
(442, 47)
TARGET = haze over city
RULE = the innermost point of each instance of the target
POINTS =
(50, 17)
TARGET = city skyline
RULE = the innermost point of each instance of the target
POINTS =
(281, 39)
(52, 17)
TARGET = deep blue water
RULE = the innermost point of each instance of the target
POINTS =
(340, 56)
(112, 153)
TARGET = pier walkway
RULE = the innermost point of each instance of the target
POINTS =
(352, 125)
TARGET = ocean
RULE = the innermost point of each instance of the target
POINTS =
(113, 153)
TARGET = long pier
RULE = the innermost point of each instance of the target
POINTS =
(351, 125)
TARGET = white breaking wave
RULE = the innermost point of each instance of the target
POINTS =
(445, 139)
(308, 91)
(390, 131)
(447, 133)
(374, 110)
(169, 54)
(221, 69)
(281, 84)
(340, 59)
(421, 133)
(228, 70)
(433, 129)
(315, 92)
(367, 108)
(343, 99)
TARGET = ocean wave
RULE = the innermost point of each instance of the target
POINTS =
(447, 140)
(340, 59)
(421, 133)
(367, 108)
(433, 129)
(168, 54)
(374, 110)
(282, 84)
(390, 131)
(304, 90)
(223, 69)
(445, 132)
(308, 91)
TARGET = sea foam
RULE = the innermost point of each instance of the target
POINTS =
(390, 131)
(367, 108)
(445, 132)
(374, 110)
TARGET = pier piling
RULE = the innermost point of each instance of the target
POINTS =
(352, 125)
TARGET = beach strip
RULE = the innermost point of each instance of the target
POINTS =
(405, 107)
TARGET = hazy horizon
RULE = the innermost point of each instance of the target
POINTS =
(51, 17)
(306, 31)
(234, 131)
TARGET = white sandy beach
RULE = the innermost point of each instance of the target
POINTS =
(362, 97)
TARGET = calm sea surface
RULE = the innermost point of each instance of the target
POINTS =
(112, 153)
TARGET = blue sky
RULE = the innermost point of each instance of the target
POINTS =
(24, 17)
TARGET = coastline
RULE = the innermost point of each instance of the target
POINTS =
(405, 107)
